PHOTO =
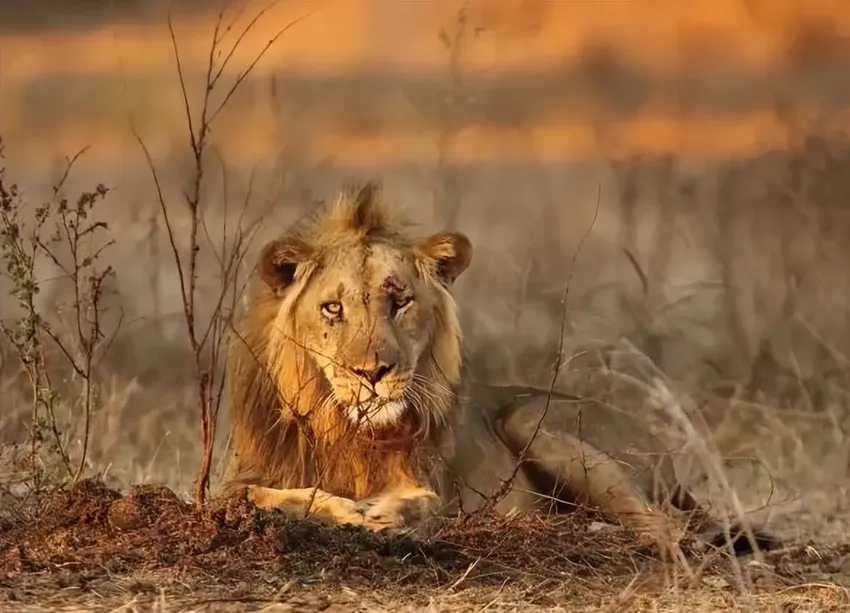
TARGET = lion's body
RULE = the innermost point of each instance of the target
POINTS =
(348, 394)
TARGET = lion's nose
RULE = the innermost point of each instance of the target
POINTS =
(373, 375)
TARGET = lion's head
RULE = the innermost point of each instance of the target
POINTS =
(362, 320)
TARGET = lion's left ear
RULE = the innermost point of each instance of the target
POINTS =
(448, 253)
(279, 262)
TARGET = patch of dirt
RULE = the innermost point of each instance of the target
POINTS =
(91, 544)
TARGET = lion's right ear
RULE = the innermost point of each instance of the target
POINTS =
(449, 254)
(279, 262)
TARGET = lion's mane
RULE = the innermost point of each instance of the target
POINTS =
(282, 434)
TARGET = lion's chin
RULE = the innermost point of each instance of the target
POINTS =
(377, 413)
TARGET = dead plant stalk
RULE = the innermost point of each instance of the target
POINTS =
(206, 343)
(559, 360)
(72, 247)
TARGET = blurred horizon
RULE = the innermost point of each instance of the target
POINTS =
(374, 82)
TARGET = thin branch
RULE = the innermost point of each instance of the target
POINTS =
(164, 208)
(183, 88)
(243, 75)
(239, 39)
(503, 491)
(206, 358)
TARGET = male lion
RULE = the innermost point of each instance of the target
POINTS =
(349, 394)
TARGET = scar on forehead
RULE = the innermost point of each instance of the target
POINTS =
(393, 285)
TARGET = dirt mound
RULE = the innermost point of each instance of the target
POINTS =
(91, 526)
(82, 538)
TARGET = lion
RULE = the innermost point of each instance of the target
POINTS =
(352, 398)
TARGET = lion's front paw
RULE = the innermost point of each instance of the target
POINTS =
(397, 510)
(261, 497)
(305, 502)
(381, 513)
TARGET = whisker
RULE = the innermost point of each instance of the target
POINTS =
(422, 394)
(439, 397)
(431, 383)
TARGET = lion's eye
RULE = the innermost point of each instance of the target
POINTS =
(400, 302)
(332, 309)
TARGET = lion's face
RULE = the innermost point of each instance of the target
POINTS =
(365, 310)
(366, 318)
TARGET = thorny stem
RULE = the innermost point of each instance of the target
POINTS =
(208, 388)
(71, 228)
(95, 292)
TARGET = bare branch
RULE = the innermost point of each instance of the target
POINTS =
(245, 73)
(506, 485)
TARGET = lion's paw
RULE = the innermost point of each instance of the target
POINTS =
(381, 513)
(306, 502)
(394, 511)
(261, 497)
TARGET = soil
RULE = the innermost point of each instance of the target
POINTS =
(91, 548)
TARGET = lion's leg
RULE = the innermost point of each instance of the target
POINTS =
(593, 477)
(588, 475)
(307, 501)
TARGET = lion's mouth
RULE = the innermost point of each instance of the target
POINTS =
(377, 412)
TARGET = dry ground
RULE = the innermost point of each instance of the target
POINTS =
(90, 548)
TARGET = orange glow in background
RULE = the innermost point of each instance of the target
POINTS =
(62, 90)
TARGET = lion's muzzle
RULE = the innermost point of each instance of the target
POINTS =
(377, 413)
(375, 397)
